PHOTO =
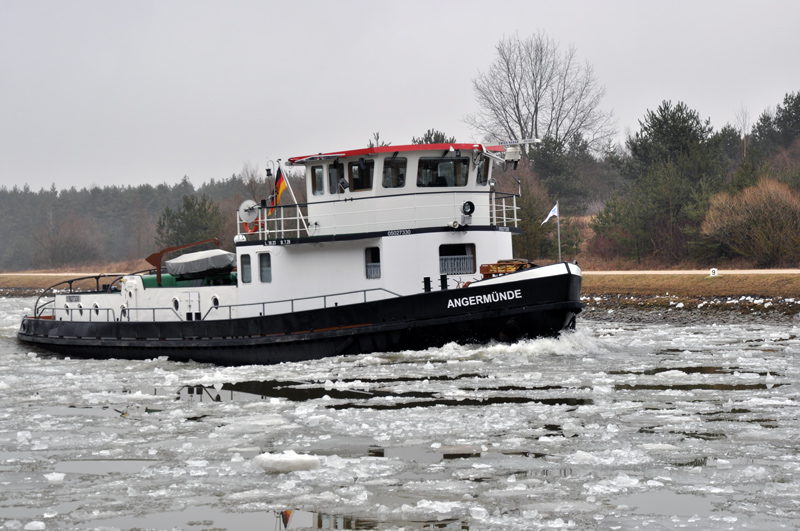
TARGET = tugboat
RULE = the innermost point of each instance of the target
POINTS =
(397, 248)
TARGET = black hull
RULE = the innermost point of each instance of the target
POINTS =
(531, 307)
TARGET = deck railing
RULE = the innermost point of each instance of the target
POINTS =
(292, 221)
(94, 314)
(326, 302)
(47, 297)
(153, 314)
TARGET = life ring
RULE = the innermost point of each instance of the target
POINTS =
(257, 223)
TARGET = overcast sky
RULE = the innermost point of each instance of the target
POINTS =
(96, 92)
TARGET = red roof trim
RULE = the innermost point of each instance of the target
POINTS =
(392, 149)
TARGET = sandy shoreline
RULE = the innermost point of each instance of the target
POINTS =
(700, 272)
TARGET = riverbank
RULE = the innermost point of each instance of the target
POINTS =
(32, 284)
(687, 297)
(682, 310)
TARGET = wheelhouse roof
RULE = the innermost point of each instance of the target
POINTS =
(392, 149)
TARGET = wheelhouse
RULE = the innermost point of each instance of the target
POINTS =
(391, 188)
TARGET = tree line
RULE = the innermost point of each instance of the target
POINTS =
(52, 228)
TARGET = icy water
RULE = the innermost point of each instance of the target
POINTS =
(617, 426)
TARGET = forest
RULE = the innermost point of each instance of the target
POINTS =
(677, 192)
(52, 229)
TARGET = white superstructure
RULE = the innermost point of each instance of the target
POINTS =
(378, 223)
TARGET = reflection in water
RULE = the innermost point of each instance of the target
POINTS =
(294, 519)
(308, 520)
(306, 391)
(208, 517)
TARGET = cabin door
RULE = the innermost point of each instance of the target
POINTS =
(190, 302)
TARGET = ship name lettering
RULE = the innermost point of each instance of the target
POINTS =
(403, 232)
(495, 296)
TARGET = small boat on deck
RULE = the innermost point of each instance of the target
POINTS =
(397, 248)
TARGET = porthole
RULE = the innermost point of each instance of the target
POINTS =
(123, 311)
(96, 309)
(176, 304)
(215, 301)
(80, 309)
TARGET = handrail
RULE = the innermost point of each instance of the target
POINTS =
(70, 282)
(497, 204)
(128, 311)
(263, 304)
(394, 196)
(71, 311)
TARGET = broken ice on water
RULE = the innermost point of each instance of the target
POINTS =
(617, 426)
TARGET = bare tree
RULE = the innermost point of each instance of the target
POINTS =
(534, 90)
(142, 229)
(65, 241)
(743, 123)
(255, 186)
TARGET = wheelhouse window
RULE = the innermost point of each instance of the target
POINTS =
(483, 171)
(246, 273)
(317, 180)
(373, 262)
(441, 172)
(457, 259)
(360, 175)
(394, 172)
(265, 267)
(335, 173)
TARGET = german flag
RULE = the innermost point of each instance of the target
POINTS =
(280, 186)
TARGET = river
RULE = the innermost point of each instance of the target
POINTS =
(616, 426)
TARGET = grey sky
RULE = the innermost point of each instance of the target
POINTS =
(96, 93)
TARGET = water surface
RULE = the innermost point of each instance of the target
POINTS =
(617, 426)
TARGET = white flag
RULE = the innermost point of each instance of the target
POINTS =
(552, 213)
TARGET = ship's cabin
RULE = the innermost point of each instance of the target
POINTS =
(391, 188)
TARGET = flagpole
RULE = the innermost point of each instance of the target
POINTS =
(271, 197)
(558, 230)
(299, 213)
